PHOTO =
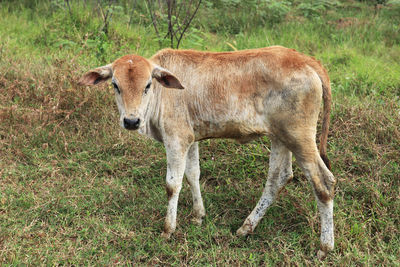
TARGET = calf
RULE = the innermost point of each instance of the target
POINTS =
(243, 95)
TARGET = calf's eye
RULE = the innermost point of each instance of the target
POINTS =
(116, 88)
(147, 88)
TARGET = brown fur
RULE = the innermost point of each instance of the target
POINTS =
(131, 76)
(244, 81)
(169, 192)
(284, 59)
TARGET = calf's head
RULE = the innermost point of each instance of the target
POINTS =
(133, 81)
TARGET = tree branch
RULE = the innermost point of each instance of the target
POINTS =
(188, 23)
(153, 20)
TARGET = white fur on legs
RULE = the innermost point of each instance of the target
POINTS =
(280, 171)
(327, 235)
(176, 160)
(192, 172)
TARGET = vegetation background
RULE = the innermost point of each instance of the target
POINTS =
(76, 189)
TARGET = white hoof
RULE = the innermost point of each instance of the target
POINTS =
(321, 254)
(244, 230)
(197, 221)
(165, 235)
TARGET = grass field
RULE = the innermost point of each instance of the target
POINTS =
(76, 189)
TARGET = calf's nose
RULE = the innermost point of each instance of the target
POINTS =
(131, 124)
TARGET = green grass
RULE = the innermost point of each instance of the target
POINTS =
(75, 189)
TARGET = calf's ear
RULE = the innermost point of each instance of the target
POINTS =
(96, 76)
(166, 78)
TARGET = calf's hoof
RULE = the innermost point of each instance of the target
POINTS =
(165, 235)
(244, 230)
(323, 252)
(197, 221)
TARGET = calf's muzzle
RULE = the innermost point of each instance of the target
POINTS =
(131, 124)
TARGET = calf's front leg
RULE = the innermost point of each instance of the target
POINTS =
(176, 161)
(192, 173)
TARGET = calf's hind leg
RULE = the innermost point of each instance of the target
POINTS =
(323, 183)
(280, 171)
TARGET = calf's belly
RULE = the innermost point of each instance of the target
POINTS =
(240, 131)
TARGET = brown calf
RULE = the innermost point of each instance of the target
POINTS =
(273, 91)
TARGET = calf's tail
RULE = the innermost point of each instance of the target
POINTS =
(327, 99)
